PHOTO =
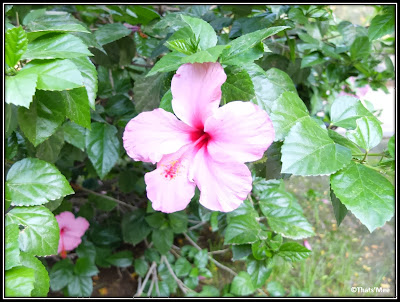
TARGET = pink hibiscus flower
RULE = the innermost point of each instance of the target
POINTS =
(307, 245)
(207, 147)
(71, 231)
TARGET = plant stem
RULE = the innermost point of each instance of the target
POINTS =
(181, 285)
(369, 154)
(17, 17)
(197, 225)
(219, 252)
(365, 156)
(155, 278)
(140, 290)
(210, 257)
(108, 197)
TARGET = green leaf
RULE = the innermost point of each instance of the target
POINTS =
(102, 147)
(32, 15)
(147, 91)
(169, 62)
(156, 220)
(19, 282)
(152, 255)
(346, 110)
(238, 86)
(61, 274)
(85, 267)
(76, 105)
(381, 25)
(242, 229)
(201, 258)
(111, 32)
(368, 133)
(360, 49)
(206, 291)
(11, 121)
(54, 204)
(102, 203)
(391, 146)
(366, 193)
(141, 267)
(183, 40)
(41, 233)
(20, 88)
(50, 149)
(166, 102)
(312, 59)
(31, 181)
(275, 242)
(292, 251)
(121, 259)
(162, 240)
(135, 221)
(209, 55)
(308, 150)
(245, 42)
(75, 135)
(182, 267)
(283, 213)
(89, 75)
(259, 271)
(16, 44)
(345, 142)
(42, 119)
(275, 289)
(248, 56)
(178, 222)
(242, 285)
(240, 251)
(86, 250)
(54, 74)
(268, 86)
(80, 286)
(203, 32)
(56, 46)
(259, 250)
(12, 246)
(286, 111)
(55, 21)
(118, 105)
(339, 209)
(42, 281)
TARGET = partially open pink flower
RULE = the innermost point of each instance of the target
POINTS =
(207, 147)
(71, 231)
(307, 245)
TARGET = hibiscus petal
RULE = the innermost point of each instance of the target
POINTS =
(168, 187)
(150, 135)
(65, 219)
(240, 130)
(223, 185)
(79, 227)
(70, 242)
(196, 91)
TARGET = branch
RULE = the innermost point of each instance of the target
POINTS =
(155, 278)
(209, 257)
(140, 289)
(106, 197)
(219, 252)
(197, 225)
(181, 285)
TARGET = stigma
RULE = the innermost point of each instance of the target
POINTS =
(171, 170)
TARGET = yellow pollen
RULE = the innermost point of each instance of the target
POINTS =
(171, 170)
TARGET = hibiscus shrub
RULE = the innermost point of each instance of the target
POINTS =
(226, 100)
